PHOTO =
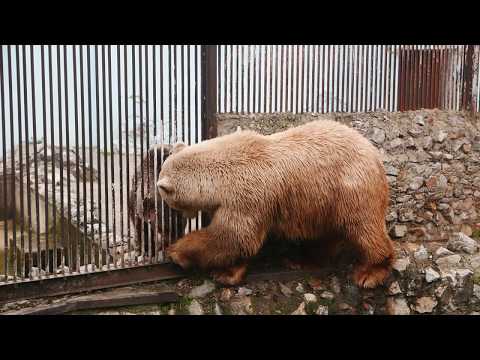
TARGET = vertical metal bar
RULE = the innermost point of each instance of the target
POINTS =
(388, 76)
(162, 122)
(287, 85)
(127, 151)
(442, 77)
(319, 89)
(338, 90)
(60, 139)
(350, 80)
(302, 86)
(225, 77)
(408, 77)
(357, 78)
(90, 153)
(4, 156)
(271, 78)
(45, 145)
(155, 168)
(307, 77)
(20, 151)
(255, 79)
(401, 74)
(135, 169)
(77, 166)
(35, 157)
(142, 185)
(84, 155)
(189, 121)
(120, 149)
(334, 107)
(147, 131)
(327, 105)
(170, 118)
(468, 78)
(105, 160)
(282, 88)
(242, 79)
(52, 134)
(435, 84)
(112, 155)
(237, 73)
(344, 70)
(248, 78)
(13, 170)
(231, 78)
(264, 79)
(27, 159)
(377, 82)
(99, 167)
(361, 97)
(291, 56)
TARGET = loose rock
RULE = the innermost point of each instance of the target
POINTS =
(431, 275)
(462, 242)
(397, 306)
(300, 310)
(203, 290)
(322, 310)
(243, 291)
(285, 290)
(195, 308)
(401, 264)
(310, 298)
(425, 305)
(394, 288)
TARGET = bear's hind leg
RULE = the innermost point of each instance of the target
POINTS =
(376, 253)
(231, 276)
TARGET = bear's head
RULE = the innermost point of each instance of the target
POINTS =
(179, 184)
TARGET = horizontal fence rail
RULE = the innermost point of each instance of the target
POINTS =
(76, 126)
(345, 78)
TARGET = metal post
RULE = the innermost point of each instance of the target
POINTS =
(209, 99)
(209, 91)
(467, 99)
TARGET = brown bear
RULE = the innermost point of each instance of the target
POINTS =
(321, 178)
(141, 207)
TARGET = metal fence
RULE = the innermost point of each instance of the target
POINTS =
(85, 130)
(76, 126)
(346, 78)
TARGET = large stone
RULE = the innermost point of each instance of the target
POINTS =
(448, 261)
(322, 310)
(377, 135)
(241, 306)
(421, 254)
(195, 308)
(397, 306)
(462, 242)
(431, 275)
(441, 251)
(399, 231)
(401, 264)
(203, 290)
(425, 305)
(300, 310)
(416, 183)
(310, 298)
(394, 288)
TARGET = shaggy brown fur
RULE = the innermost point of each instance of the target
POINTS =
(322, 179)
(141, 209)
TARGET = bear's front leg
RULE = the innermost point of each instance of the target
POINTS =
(187, 251)
(224, 246)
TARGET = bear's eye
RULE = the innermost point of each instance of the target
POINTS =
(166, 188)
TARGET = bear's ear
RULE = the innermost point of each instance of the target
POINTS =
(178, 147)
(165, 185)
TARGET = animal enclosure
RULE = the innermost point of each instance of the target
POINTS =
(77, 124)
